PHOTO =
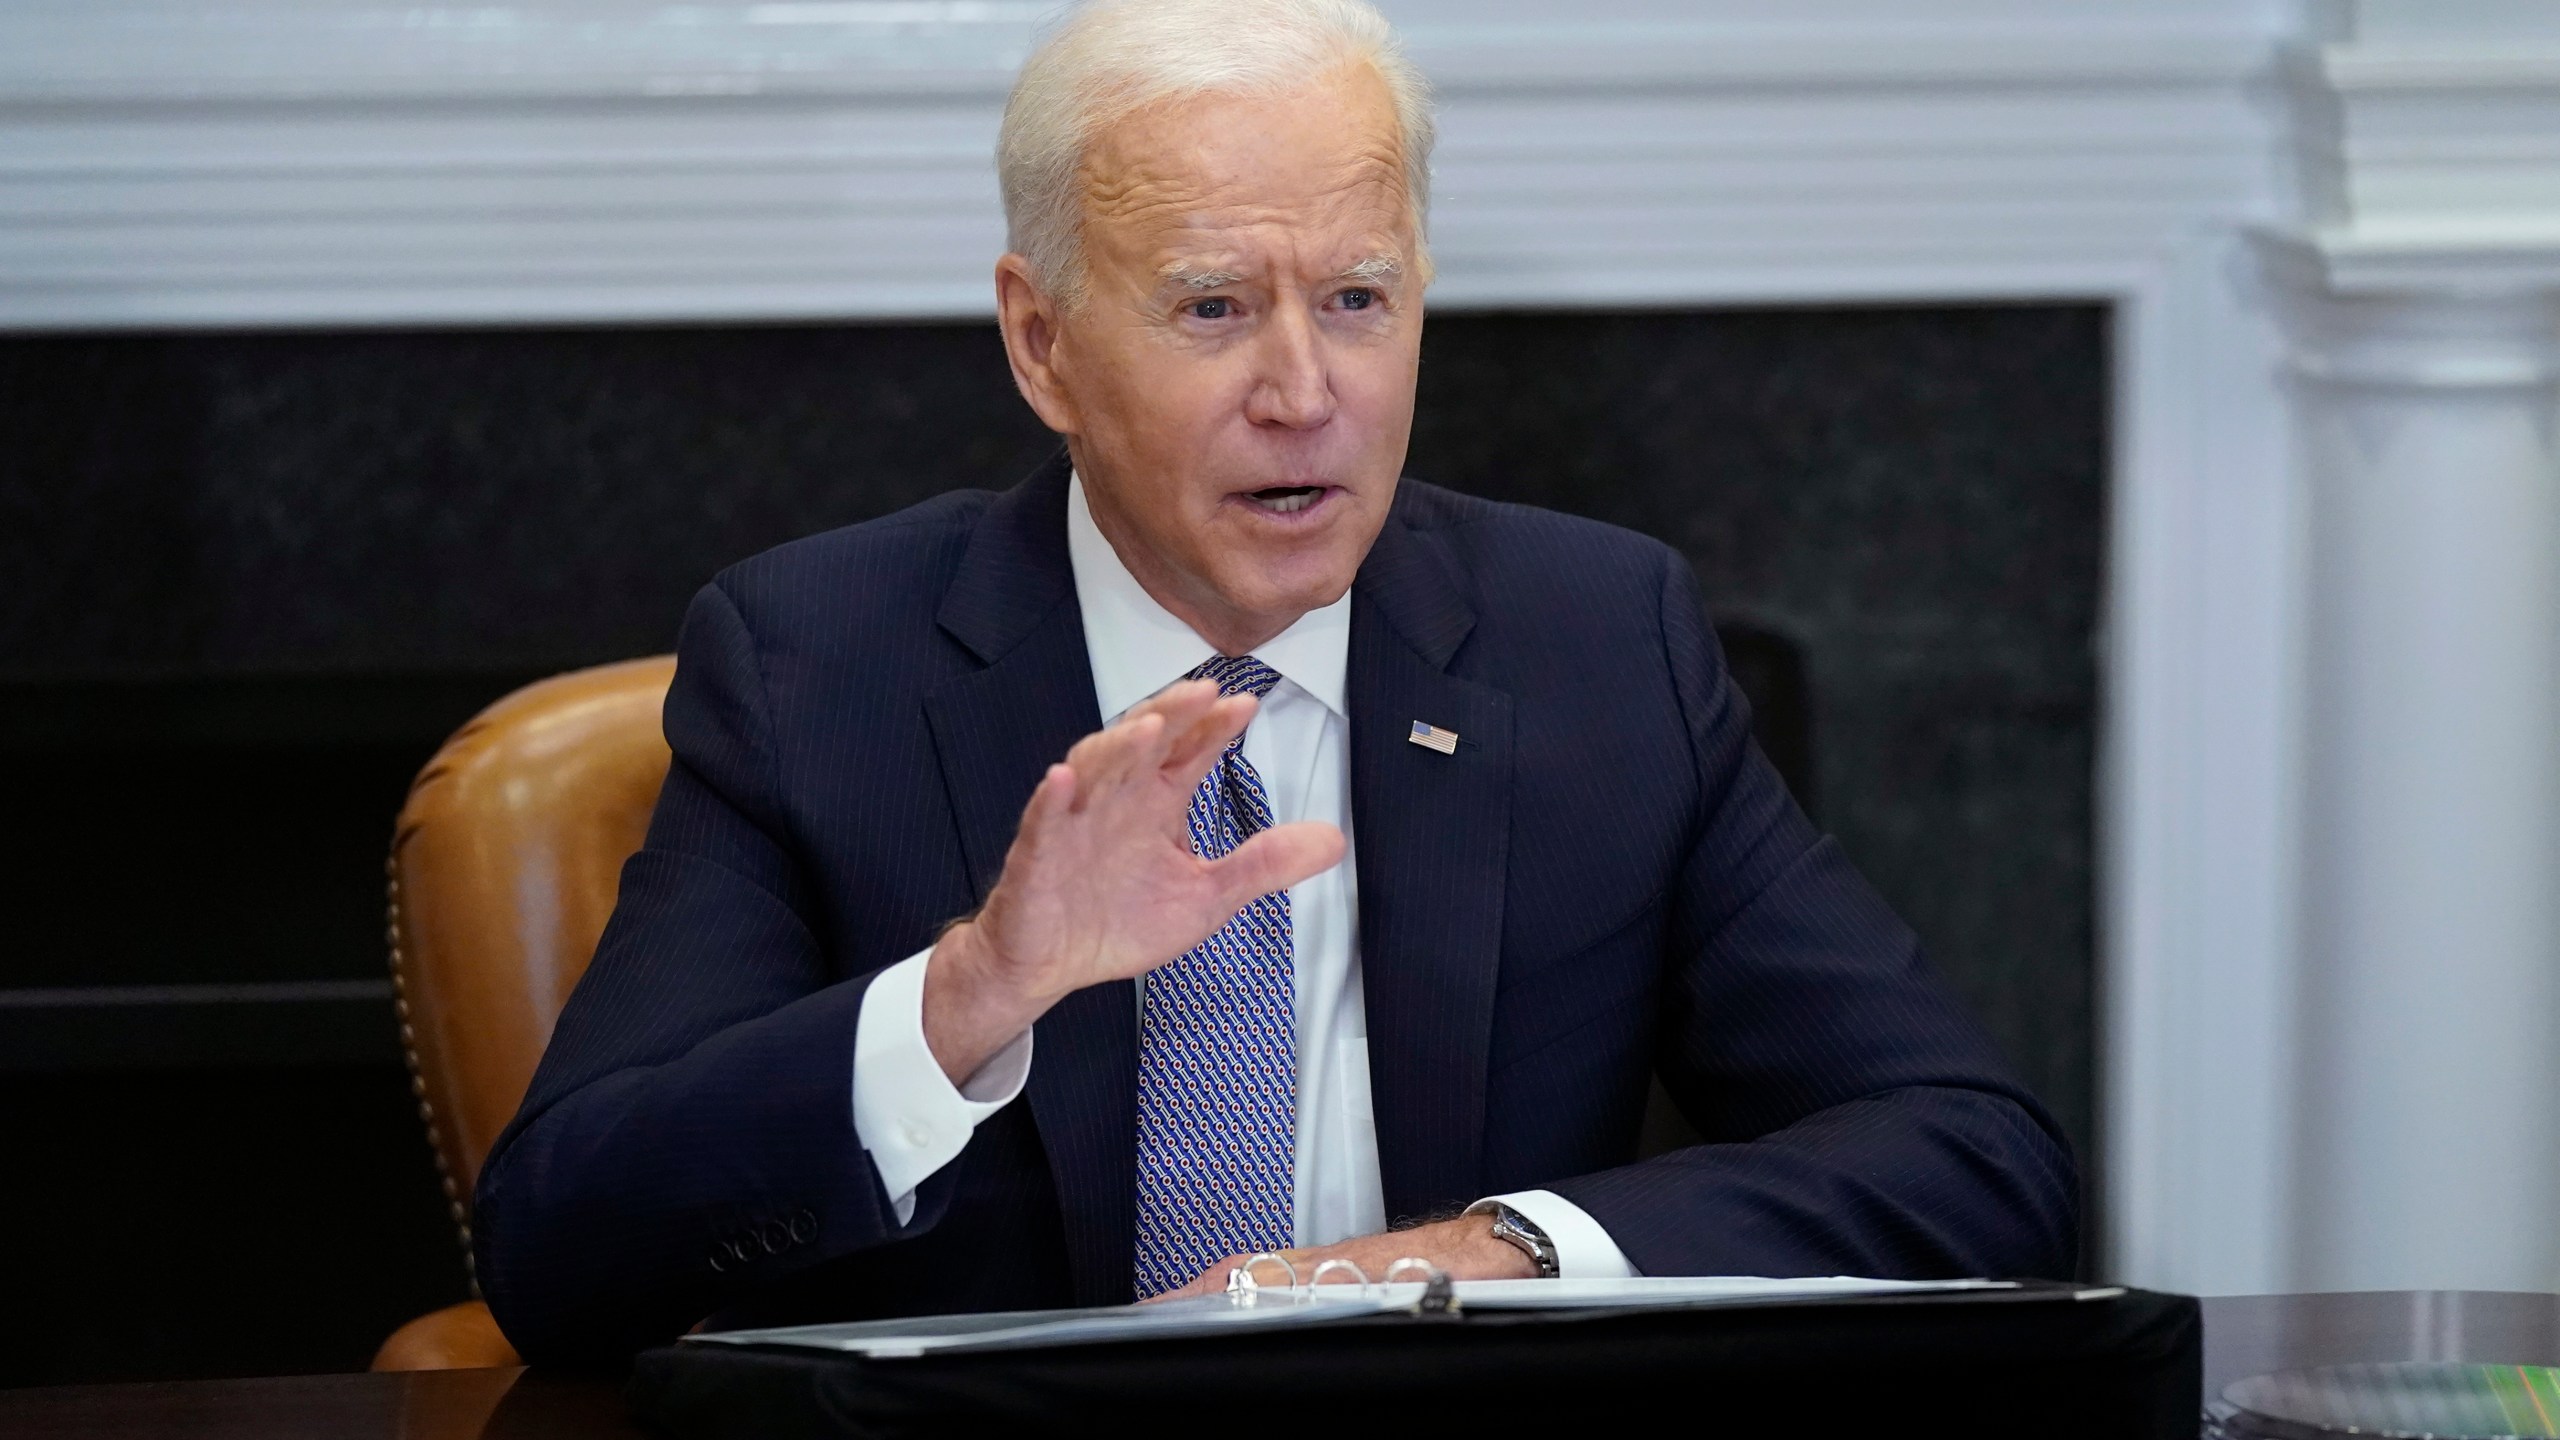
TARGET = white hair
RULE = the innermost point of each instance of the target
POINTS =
(1108, 59)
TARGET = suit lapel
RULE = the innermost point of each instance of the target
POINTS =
(995, 732)
(1433, 836)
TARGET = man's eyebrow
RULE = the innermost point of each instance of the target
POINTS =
(1182, 273)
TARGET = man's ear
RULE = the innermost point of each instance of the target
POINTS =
(1029, 319)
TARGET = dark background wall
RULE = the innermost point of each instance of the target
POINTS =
(248, 582)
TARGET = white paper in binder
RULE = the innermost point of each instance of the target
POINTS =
(1274, 1307)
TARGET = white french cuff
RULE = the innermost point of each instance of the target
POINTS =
(906, 1112)
(1584, 1251)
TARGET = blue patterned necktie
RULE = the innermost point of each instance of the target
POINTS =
(1218, 1052)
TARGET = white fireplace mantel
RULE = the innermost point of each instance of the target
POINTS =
(298, 161)
(351, 162)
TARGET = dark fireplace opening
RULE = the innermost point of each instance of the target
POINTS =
(254, 579)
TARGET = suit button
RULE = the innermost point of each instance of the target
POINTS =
(773, 1236)
(719, 1262)
(804, 1228)
(742, 1251)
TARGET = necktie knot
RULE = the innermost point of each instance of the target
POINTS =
(1237, 675)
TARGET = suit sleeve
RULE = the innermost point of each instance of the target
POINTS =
(689, 1138)
(1859, 1121)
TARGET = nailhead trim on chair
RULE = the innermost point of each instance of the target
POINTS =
(455, 1205)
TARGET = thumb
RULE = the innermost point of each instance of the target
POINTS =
(1276, 859)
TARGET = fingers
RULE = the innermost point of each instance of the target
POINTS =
(1053, 797)
(1213, 1280)
(1177, 734)
(1106, 760)
(1179, 703)
(1207, 1282)
(1190, 755)
(1055, 793)
(1276, 859)
(1198, 724)
(1304, 1263)
(1137, 743)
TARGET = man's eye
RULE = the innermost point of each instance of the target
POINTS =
(1213, 308)
(1359, 299)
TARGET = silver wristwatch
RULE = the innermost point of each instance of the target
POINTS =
(1522, 1234)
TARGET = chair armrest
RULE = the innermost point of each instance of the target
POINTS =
(458, 1337)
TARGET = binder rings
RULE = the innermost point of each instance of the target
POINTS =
(2026, 1360)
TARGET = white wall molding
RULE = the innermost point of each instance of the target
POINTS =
(153, 51)
(2479, 329)
(2435, 150)
(319, 164)
(266, 163)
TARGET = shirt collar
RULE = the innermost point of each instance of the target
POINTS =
(1137, 646)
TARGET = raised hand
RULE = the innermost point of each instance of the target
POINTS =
(1101, 882)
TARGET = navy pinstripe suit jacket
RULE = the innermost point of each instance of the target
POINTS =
(1605, 881)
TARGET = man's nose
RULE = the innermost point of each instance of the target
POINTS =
(1294, 390)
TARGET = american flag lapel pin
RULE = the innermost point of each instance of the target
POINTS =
(1432, 737)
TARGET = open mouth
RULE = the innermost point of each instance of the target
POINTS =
(1286, 499)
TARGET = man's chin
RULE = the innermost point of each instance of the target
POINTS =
(1291, 595)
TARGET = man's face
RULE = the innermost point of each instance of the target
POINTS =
(1237, 389)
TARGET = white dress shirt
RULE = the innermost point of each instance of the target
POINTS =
(914, 1121)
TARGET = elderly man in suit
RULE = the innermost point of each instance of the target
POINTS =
(1216, 843)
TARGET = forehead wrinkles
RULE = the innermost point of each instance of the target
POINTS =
(1173, 214)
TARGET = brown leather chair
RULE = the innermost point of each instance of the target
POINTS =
(503, 869)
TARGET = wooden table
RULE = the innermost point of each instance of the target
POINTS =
(420, 1405)
(2244, 1336)
(2247, 1335)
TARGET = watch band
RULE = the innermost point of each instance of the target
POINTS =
(1522, 1234)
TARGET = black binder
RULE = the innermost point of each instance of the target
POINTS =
(2044, 1361)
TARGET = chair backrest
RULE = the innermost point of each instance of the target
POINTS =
(504, 867)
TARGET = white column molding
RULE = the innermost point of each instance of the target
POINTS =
(2199, 832)
(2423, 318)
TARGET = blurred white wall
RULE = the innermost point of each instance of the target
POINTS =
(2331, 230)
